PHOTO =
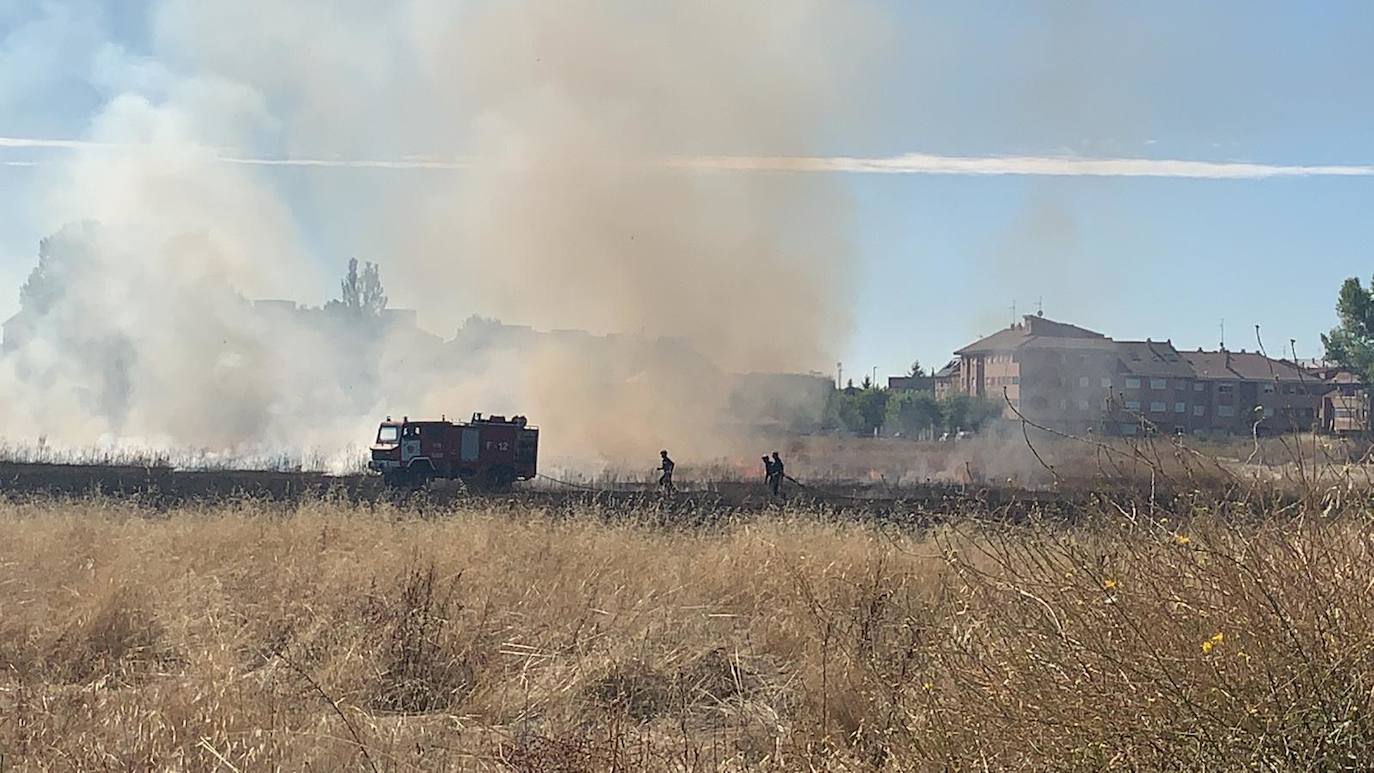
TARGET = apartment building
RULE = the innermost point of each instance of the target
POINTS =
(947, 379)
(1049, 372)
(1154, 390)
(1242, 388)
(1079, 380)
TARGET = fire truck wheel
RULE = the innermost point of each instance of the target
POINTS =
(421, 476)
(499, 478)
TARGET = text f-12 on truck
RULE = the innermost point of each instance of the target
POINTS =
(490, 453)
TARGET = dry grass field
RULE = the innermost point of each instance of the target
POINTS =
(331, 636)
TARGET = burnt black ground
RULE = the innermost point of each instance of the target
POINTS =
(696, 502)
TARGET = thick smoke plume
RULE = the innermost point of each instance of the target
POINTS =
(138, 323)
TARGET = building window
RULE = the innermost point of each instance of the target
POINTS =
(1226, 388)
(1181, 385)
(1180, 407)
(1289, 389)
(1199, 410)
(1159, 383)
(1084, 405)
(1128, 429)
(1157, 407)
(1132, 405)
(1106, 382)
(1268, 411)
(1132, 382)
(1226, 410)
(1198, 386)
(1083, 381)
(1268, 389)
(1016, 379)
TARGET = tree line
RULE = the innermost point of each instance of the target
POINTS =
(870, 409)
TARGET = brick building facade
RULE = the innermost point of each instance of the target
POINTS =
(1079, 380)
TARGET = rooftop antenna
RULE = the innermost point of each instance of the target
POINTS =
(1013, 313)
(1223, 332)
(839, 375)
(1040, 306)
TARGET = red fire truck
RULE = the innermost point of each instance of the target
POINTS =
(490, 452)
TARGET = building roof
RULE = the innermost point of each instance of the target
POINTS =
(1153, 359)
(951, 369)
(1037, 332)
(914, 383)
(1246, 366)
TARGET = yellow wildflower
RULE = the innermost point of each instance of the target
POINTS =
(1217, 638)
(1108, 584)
(1182, 539)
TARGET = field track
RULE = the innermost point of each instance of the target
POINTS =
(168, 487)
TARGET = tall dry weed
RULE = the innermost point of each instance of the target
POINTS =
(333, 635)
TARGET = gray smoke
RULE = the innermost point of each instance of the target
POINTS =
(571, 215)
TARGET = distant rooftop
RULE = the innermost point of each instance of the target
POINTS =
(1153, 359)
(1223, 365)
(1035, 332)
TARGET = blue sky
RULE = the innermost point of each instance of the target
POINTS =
(1168, 258)
(940, 259)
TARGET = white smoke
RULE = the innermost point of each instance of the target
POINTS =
(567, 219)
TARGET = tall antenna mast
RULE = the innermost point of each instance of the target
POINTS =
(1013, 313)
(1223, 332)
(1040, 306)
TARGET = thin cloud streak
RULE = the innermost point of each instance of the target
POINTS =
(908, 163)
(1043, 166)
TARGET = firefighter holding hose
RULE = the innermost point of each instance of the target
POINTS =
(665, 481)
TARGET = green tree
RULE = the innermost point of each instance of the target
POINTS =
(914, 412)
(65, 259)
(842, 412)
(360, 292)
(963, 412)
(1351, 344)
(872, 407)
(916, 370)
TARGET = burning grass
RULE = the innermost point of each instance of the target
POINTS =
(337, 636)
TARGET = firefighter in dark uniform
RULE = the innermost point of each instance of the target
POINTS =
(775, 483)
(666, 465)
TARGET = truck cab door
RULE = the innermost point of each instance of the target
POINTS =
(410, 444)
(470, 446)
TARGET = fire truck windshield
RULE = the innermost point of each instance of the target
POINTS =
(389, 433)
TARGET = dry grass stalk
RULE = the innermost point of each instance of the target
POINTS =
(244, 637)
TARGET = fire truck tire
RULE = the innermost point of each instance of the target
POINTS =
(419, 475)
(499, 478)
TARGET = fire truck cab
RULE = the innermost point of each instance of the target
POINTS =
(491, 452)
